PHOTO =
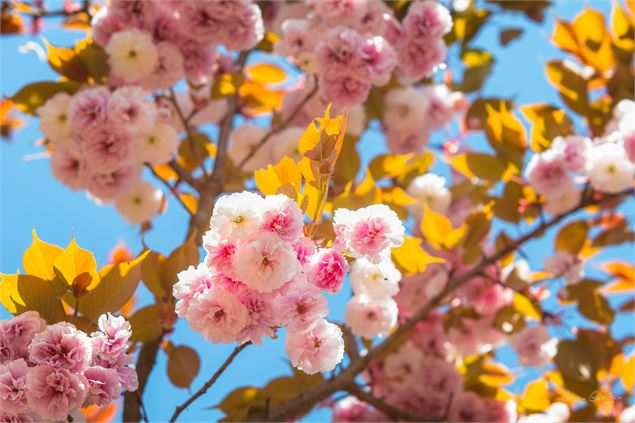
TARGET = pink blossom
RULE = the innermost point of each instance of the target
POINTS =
(301, 307)
(265, 263)
(218, 315)
(68, 165)
(13, 377)
(430, 336)
(304, 249)
(87, 112)
(339, 12)
(375, 18)
(6, 417)
(134, 13)
(534, 346)
(54, 392)
(318, 349)
(394, 32)
(237, 215)
(191, 282)
(296, 38)
(573, 149)
(103, 385)
(565, 265)
(261, 319)
(106, 186)
(501, 411)
(440, 379)
(419, 60)
(370, 231)
(112, 342)
(629, 145)
(442, 104)
(166, 28)
(128, 377)
(61, 346)
(103, 25)
(350, 409)
(198, 60)
(283, 217)
(426, 20)
(326, 270)
(106, 151)
(369, 317)
(485, 296)
(220, 254)
(247, 28)
(379, 59)
(170, 68)
(338, 55)
(130, 111)
(546, 173)
(17, 333)
(419, 288)
(403, 366)
(467, 407)
(343, 91)
(402, 141)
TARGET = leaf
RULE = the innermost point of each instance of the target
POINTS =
(622, 28)
(480, 165)
(503, 129)
(146, 323)
(182, 257)
(389, 165)
(572, 87)
(38, 259)
(34, 95)
(118, 284)
(39, 295)
(9, 295)
(594, 40)
(238, 398)
(65, 62)
(506, 36)
(577, 364)
(225, 85)
(572, 236)
(628, 373)
(411, 258)
(74, 261)
(435, 227)
(183, 365)
(265, 73)
(548, 123)
(595, 307)
(151, 274)
(478, 67)
(258, 99)
(495, 374)
(536, 397)
(530, 307)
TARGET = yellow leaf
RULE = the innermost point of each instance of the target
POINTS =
(622, 25)
(571, 237)
(411, 258)
(190, 201)
(258, 99)
(526, 306)
(594, 40)
(564, 36)
(74, 261)
(496, 375)
(480, 165)
(267, 180)
(288, 172)
(628, 373)
(566, 77)
(40, 295)
(9, 294)
(536, 397)
(435, 227)
(389, 165)
(548, 123)
(265, 73)
(38, 259)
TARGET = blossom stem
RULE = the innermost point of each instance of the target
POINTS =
(397, 414)
(209, 383)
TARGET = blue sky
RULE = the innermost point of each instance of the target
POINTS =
(31, 198)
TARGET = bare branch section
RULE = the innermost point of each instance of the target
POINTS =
(307, 400)
(145, 364)
(209, 383)
(389, 410)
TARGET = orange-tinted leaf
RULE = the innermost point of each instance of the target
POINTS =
(183, 365)
(265, 73)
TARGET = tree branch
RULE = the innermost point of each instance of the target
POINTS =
(279, 127)
(145, 363)
(172, 188)
(390, 410)
(305, 401)
(209, 383)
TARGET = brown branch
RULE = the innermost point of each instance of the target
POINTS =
(145, 363)
(172, 188)
(279, 127)
(183, 174)
(305, 401)
(397, 414)
(209, 383)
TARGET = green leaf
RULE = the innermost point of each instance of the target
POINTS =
(118, 284)
(571, 237)
(146, 324)
(183, 365)
(39, 295)
(34, 95)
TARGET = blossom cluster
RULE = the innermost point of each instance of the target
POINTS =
(49, 372)
(606, 163)
(363, 44)
(156, 44)
(261, 273)
(100, 140)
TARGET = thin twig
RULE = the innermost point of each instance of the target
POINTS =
(172, 189)
(183, 174)
(188, 130)
(279, 127)
(209, 383)
(390, 410)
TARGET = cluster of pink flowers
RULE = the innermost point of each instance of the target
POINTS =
(410, 113)
(606, 163)
(100, 140)
(261, 273)
(156, 44)
(362, 44)
(49, 372)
